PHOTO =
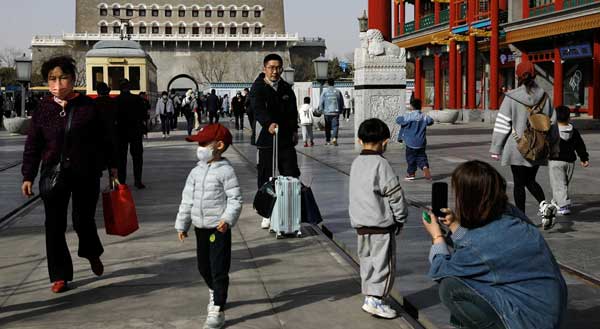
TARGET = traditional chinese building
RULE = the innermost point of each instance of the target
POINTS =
(465, 51)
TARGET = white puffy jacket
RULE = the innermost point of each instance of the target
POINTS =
(211, 194)
(305, 114)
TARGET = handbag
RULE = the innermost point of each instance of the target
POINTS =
(310, 209)
(265, 197)
(120, 216)
(51, 176)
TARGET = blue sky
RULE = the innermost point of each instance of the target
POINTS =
(334, 20)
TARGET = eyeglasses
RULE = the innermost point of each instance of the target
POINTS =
(273, 68)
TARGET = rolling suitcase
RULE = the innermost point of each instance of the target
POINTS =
(286, 215)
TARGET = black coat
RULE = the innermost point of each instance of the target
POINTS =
(131, 114)
(237, 105)
(212, 103)
(270, 106)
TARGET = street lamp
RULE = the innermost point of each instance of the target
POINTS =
(23, 68)
(321, 68)
(363, 22)
(288, 75)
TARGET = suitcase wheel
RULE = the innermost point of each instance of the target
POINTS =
(279, 235)
(298, 234)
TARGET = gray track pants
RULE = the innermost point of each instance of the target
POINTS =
(377, 255)
(561, 173)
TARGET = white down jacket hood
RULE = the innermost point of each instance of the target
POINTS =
(211, 194)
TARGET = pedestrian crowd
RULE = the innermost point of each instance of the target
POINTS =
(492, 264)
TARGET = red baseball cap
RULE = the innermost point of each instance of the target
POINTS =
(210, 133)
(525, 67)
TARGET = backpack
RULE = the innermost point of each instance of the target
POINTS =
(534, 145)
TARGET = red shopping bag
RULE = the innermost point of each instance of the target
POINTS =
(120, 217)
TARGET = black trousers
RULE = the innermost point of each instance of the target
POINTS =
(189, 119)
(173, 119)
(213, 117)
(239, 121)
(524, 177)
(84, 194)
(252, 121)
(287, 163)
(165, 123)
(213, 251)
(136, 149)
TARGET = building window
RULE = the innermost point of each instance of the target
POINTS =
(115, 75)
(154, 12)
(232, 13)
(257, 13)
(245, 30)
(207, 13)
(116, 29)
(181, 13)
(257, 30)
(221, 30)
(232, 30)
(220, 13)
(116, 12)
(195, 13)
(103, 12)
(134, 77)
(182, 30)
(245, 13)
(168, 12)
(103, 29)
(142, 12)
(143, 30)
(208, 30)
(97, 76)
(155, 30)
(129, 29)
(129, 12)
(195, 30)
(168, 30)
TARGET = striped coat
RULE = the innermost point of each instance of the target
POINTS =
(512, 121)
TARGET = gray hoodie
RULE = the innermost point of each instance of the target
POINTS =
(513, 115)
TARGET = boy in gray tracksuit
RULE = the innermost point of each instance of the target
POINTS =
(378, 211)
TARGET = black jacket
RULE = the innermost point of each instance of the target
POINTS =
(270, 106)
(569, 146)
(212, 103)
(131, 114)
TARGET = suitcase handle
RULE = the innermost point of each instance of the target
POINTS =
(275, 152)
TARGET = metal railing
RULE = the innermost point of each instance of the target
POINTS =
(576, 3)
(409, 27)
(540, 7)
(426, 21)
(445, 15)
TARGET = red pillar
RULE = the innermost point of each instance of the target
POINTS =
(380, 12)
(559, 4)
(558, 78)
(402, 17)
(396, 19)
(436, 12)
(525, 5)
(437, 84)
(471, 60)
(452, 75)
(494, 56)
(417, 14)
(418, 77)
(459, 80)
(594, 102)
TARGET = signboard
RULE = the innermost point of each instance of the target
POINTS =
(506, 58)
(576, 51)
(343, 65)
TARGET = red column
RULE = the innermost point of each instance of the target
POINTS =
(418, 77)
(494, 56)
(396, 19)
(471, 72)
(558, 78)
(380, 12)
(559, 4)
(437, 84)
(452, 75)
(459, 80)
(525, 5)
(417, 14)
(436, 12)
(402, 17)
(594, 102)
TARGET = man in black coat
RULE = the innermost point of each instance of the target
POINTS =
(131, 113)
(274, 104)
(212, 105)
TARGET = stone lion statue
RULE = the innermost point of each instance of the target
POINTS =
(377, 46)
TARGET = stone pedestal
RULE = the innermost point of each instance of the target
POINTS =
(17, 125)
(379, 82)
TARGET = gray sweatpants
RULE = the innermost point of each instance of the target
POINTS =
(561, 173)
(377, 255)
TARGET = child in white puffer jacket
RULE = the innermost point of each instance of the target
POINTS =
(305, 116)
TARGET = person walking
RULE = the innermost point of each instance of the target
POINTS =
(331, 105)
(348, 100)
(237, 104)
(413, 130)
(213, 107)
(274, 103)
(71, 132)
(130, 121)
(511, 122)
(250, 113)
(164, 108)
(501, 274)
(176, 110)
(188, 107)
(147, 107)
(226, 107)
(305, 114)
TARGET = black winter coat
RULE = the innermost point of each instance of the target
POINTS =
(270, 106)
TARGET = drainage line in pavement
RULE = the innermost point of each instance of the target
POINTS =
(12, 165)
(19, 209)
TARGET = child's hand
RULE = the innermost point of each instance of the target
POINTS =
(182, 236)
(585, 164)
(222, 227)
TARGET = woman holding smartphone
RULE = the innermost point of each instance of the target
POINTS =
(501, 273)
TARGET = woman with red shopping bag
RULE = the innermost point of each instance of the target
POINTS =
(73, 139)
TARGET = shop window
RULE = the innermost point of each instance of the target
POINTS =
(97, 76)
(154, 12)
(245, 30)
(207, 13)
(257, 13)
(232, 13)
(103, 29)
(168, 30)
(181, 13)
(103, 12)
(195, 13)
(245, 13)
(182, 30)
(142, 12)
(257, 30)
(221, 30)
(195, 30)
(134, 77)
(129, 12)
(116, 12)
(208, 30)
(155, 30)
(168, 13)
(143, 30)
(115, 75)
(232, 30)
(577, 79)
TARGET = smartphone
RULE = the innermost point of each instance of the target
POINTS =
(439, 198)
(426, 216)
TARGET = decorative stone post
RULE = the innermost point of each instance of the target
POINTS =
(379, 82)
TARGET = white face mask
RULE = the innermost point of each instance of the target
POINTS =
(204, 154)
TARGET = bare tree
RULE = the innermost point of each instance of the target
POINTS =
(8, 56)
(211, 67)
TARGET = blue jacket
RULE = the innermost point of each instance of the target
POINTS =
(510, 265)
(332, 102)
(413, 128)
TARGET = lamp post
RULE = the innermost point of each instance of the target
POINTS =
(288, 75)
(363, 22)
(321, 68)
(23, 68)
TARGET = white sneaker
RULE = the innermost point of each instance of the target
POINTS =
(377, 307)
(164, 136)
(215, 318)
(211, 299)
(266, 223)
(548, 213)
